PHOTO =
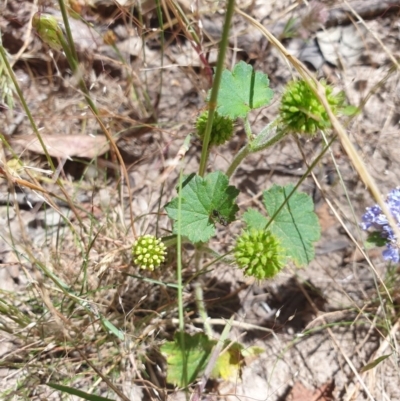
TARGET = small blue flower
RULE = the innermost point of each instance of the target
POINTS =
(375, 219)
(391, 253)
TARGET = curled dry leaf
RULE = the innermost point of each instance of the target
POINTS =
(64, 146)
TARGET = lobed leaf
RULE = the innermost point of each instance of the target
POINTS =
(202, 198)
(296, 224)
(242, 90)
(197, 350)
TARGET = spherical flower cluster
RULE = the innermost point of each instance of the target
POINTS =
(302, 112)
(148, 252)
(375, 219)
(258, 252)
(222, 128)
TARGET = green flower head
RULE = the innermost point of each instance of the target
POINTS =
(302, 112)
(258, 252)
(222, 128)
(148, 252)
(48, 29)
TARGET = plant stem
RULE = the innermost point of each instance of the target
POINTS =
(179, 257)
(265, 139)
(212, 104)
(244, 152)
(247, 128)
(202, 309)
(68, 30)
(180, 286)
(258, 145)
(162, 38)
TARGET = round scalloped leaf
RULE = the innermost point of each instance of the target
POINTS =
(242, 90)
(296, 224)
(202, 199)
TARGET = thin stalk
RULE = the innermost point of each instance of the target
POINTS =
(202, 309)
(197, 396)
(179, 256)
(198, 253)
(240, 156)
(180, 287)
(305, 175)
(212, 104)
(188, 24)
(68, 29)
(160, 22)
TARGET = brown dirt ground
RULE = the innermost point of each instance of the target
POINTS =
(317, 325)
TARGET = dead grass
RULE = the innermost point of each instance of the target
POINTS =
(73, 309)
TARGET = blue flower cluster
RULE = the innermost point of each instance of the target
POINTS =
(375, 218)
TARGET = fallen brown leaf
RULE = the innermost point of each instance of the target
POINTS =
(64, 146)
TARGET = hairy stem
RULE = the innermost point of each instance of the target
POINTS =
(266, 138)
(217, 80)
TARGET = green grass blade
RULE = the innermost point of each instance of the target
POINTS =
(79, 393)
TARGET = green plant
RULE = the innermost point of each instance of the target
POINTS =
(288, 227)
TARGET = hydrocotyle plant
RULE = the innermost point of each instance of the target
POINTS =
(288, 227)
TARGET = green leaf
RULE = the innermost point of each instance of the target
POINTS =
(229, 363)
(375, 239)
(296, 224)
(374, 363)
(79, 393)
(254, 219)
(242, 90)
(196, 350)
(205, 201)
(112, 329)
